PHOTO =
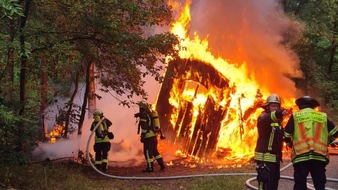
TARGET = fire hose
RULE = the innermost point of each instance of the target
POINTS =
(247, 183)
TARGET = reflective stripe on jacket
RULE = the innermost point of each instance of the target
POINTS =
(270, 135)
(100, 136)
(310, 136)
(266, 157)
(146, 126)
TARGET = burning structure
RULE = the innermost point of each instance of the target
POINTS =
(208, 105)
(194, 104)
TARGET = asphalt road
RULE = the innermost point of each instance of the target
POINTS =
(331, 172)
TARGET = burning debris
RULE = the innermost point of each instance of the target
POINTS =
(57, 132)
(194, 107)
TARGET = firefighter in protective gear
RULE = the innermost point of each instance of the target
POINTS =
(102, 137)
(147, 134)
(309, 132)
(268, 151)
(156, 126)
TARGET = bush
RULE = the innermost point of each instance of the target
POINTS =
(18, 136)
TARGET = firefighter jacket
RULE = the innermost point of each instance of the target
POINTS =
(101, 133)
(309, 133)
(270, 137)
(146, 125)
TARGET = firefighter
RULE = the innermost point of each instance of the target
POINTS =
(158, 132)
(102, 140)
(268, 151)
(309, 132)
(147, 135)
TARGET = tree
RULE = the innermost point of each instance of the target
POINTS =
(10, 14)
(318, 48)
(117, 36)
(116, 41)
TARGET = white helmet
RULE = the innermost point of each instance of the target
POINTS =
(273, 98)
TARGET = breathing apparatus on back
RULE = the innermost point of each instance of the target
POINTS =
(152, 113)
(156, 123)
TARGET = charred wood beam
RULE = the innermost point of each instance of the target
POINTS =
(206, 129)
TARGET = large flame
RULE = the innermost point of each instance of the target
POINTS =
(237, 136)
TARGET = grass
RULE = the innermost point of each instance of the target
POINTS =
(73, 176)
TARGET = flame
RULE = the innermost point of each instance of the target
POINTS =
(234, 143)
(57, 132)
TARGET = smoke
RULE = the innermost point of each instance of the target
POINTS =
(256, 32)
(125, 147)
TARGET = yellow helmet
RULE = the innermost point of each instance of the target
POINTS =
(273, 98)
(97, 112)
(143, 105)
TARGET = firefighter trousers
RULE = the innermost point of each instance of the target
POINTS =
(148, 148)
(274, 176)
(101, 155)
(157, 154)
(317, 170)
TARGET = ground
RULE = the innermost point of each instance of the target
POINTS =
(182, 170)
(178, 174)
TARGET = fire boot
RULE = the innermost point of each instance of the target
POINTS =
(98, 166)
(104, 167)
(150, 167)
(161, 163)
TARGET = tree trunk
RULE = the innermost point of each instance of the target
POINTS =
(333, 48)
(90, 65)
(23, 71)
(10, 54)
(8, 74)
(71, 102)
(91, 95)
(44, 94)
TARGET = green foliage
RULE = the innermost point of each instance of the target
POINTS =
(318, 48)
(58, 41)
(73, 117)
(319, 17)
(118, 42)
(10, 133)
(10, 8)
